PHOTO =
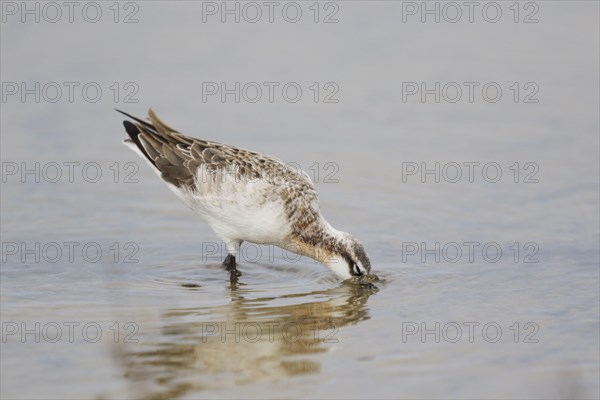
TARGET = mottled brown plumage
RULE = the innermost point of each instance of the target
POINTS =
(200, 172)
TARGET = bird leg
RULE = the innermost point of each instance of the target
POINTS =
(229, 262)
(233, 247)
(230, 265)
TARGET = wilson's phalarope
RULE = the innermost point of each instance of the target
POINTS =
(245, 196)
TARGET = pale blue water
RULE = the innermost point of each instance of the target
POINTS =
(154, 316)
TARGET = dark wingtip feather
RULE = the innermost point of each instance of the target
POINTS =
(133, 132)
(146, 124)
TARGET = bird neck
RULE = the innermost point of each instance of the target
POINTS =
(322, 243)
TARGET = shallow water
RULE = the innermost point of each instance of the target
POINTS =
(154, 316)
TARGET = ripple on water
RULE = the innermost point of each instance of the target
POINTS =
(259, 276)
(264, 284)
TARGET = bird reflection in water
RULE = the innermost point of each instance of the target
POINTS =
(245, 341)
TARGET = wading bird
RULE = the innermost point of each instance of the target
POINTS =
(245, 196)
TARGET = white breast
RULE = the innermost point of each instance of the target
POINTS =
(238, 208)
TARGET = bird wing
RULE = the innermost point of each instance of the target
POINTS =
(178, 157)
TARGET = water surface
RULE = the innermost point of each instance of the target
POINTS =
(154, 315)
